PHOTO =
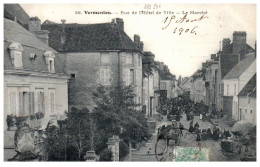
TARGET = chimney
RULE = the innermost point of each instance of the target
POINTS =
(35, 28)
(15, 19)
(148, 58)
(225, 44)
(213, 56)
(239, 41)
(63, 34)
(137, 40)
(141, 46)
(34, 24)
(119, 22)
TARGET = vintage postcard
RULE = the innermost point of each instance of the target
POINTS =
(129, 82)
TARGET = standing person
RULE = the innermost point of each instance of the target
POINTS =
(196, 125)
(209, 133)
(198, 135)
(181, 128)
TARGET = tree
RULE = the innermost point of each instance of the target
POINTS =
(78, 130)
(116, 113)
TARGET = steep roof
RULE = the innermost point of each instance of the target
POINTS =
(89, 37)
(229, 60)
(15, 10)
(241, 66)
(13, 32)
(249, 88)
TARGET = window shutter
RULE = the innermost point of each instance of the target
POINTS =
(108, 76)
(31, 103)
(102, 76)
(136, 76)
(42, 102)
(127, 76)
(21, 103)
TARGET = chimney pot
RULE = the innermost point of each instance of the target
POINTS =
(119, 22)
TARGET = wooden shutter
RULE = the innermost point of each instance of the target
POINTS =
(108, 76)
(43, 102)
(31, 103)
(21, 112)
(102, 76)
(13, 103)
(136, 76)
(52, 102)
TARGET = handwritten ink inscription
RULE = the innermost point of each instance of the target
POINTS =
(173, 20)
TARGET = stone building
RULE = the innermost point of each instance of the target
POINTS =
(97, 54)
(247, 102)
(35, 79)
(211, 67)
(228, 57)
(198, 90)
(234, 82)
(151, 85)
(167, 81)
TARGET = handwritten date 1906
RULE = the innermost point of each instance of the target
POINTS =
(182, 20)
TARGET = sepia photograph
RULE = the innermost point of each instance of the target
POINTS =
(143, 82)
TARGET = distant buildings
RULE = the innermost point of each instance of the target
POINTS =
(197, 89)
(224, 76)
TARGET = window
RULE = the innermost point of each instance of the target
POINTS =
(251, 111)
(72, 76)
(131, 76)
(245, 110)
(235, 89)
(163, 86)
(52, 100)
(105, 76)
(139, 60)
(26, 103)
(16, 54)
(227, 89)
(49, 57)
(104, 59)
(129, 59)
(13, 103)
(40, 100)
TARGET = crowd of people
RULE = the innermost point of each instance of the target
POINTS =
(206, 133)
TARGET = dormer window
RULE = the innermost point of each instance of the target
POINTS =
(16, 55)
(49, 56)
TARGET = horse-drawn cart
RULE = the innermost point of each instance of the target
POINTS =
(170, 133)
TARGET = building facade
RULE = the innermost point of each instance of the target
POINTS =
(228, 57)
(151, 86)
(234, 82)
(247, 102)
(97, 54)
(35, 79)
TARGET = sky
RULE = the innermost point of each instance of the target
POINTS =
(182, 53)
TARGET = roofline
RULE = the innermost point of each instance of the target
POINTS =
(36, 73)
(99, 51)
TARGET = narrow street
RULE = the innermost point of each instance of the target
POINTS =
(147, 153)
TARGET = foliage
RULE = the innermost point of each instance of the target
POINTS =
(10, 120)
(21, 120)
(55, 144)
(106, 155)
(78, 130)
(117, 114)
(123, 150)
